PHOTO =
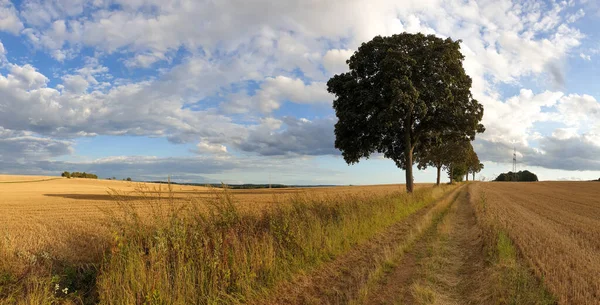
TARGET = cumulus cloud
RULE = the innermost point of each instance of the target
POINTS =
(291, 136)
(254, 63)
(26, 147)
(275, 91)
(211, 148)
(9, 19)
(335, 60)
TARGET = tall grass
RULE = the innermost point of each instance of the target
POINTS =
(185, 255)
(164, 250)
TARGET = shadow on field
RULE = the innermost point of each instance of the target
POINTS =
(109, 197)
(177, 195)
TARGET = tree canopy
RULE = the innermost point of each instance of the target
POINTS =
(525, 176)
(401, 92)
(79, 175)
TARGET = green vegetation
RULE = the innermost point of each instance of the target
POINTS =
(514, 283)
(79, 175)
(403, 93)
(524, 176)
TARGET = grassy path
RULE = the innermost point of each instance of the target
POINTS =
(451, 261)
(347, 278)
(451, 264)
(440, 267)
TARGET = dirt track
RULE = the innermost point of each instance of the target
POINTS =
(348, 278)
(442, 265)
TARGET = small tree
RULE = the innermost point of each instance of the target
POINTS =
(458, 172)
(477, 169)
(457, 156)
(400, 92)
(128, 179)
(436, 155)
(66, 175)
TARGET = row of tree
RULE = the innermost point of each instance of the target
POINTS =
(457, 158)
(79, 175)
(407, 96)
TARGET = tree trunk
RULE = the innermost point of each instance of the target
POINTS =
(409, 171)
(451, 174)
(408, 152)
(473, 176)
(467, 178)
(439, 171)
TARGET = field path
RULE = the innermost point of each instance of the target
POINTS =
(444, 267)
(342, 280)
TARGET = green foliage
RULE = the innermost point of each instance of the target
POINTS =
(128, 179)
(525, 176)
(402, 92)
(79, 175)
(458, 172)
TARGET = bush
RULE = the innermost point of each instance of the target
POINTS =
(525, 176)
(79, 175)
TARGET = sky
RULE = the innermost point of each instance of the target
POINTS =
(235, 91)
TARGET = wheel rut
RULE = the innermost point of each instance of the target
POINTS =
(341, 281)
(443, 267)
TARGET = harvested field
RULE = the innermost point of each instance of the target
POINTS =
(556, 227)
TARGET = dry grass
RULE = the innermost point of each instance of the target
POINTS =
(61, 215)
(555, 226)
(55, 234)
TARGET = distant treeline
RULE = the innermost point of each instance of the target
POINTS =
(79, 175)
(524, 176)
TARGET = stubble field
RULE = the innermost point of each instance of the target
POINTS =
(556, 226)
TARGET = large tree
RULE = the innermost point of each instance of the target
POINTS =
(402, 91)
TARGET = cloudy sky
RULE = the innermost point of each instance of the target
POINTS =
(235, 91)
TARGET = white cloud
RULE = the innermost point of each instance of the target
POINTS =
(335, 60)
(211, 148)
(9, 20)
(585, 57)
(288, 52)
(75, 83)
(26, 77)
(276, 90)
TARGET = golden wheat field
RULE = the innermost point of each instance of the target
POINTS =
(45, 212)
(84, 241)
(556, 227)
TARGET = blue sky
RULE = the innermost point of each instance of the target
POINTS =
(234, 91)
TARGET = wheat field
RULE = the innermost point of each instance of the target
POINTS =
(44, 212)
(83, 241)
(556, 227)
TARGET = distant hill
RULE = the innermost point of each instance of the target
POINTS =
(523, 176)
